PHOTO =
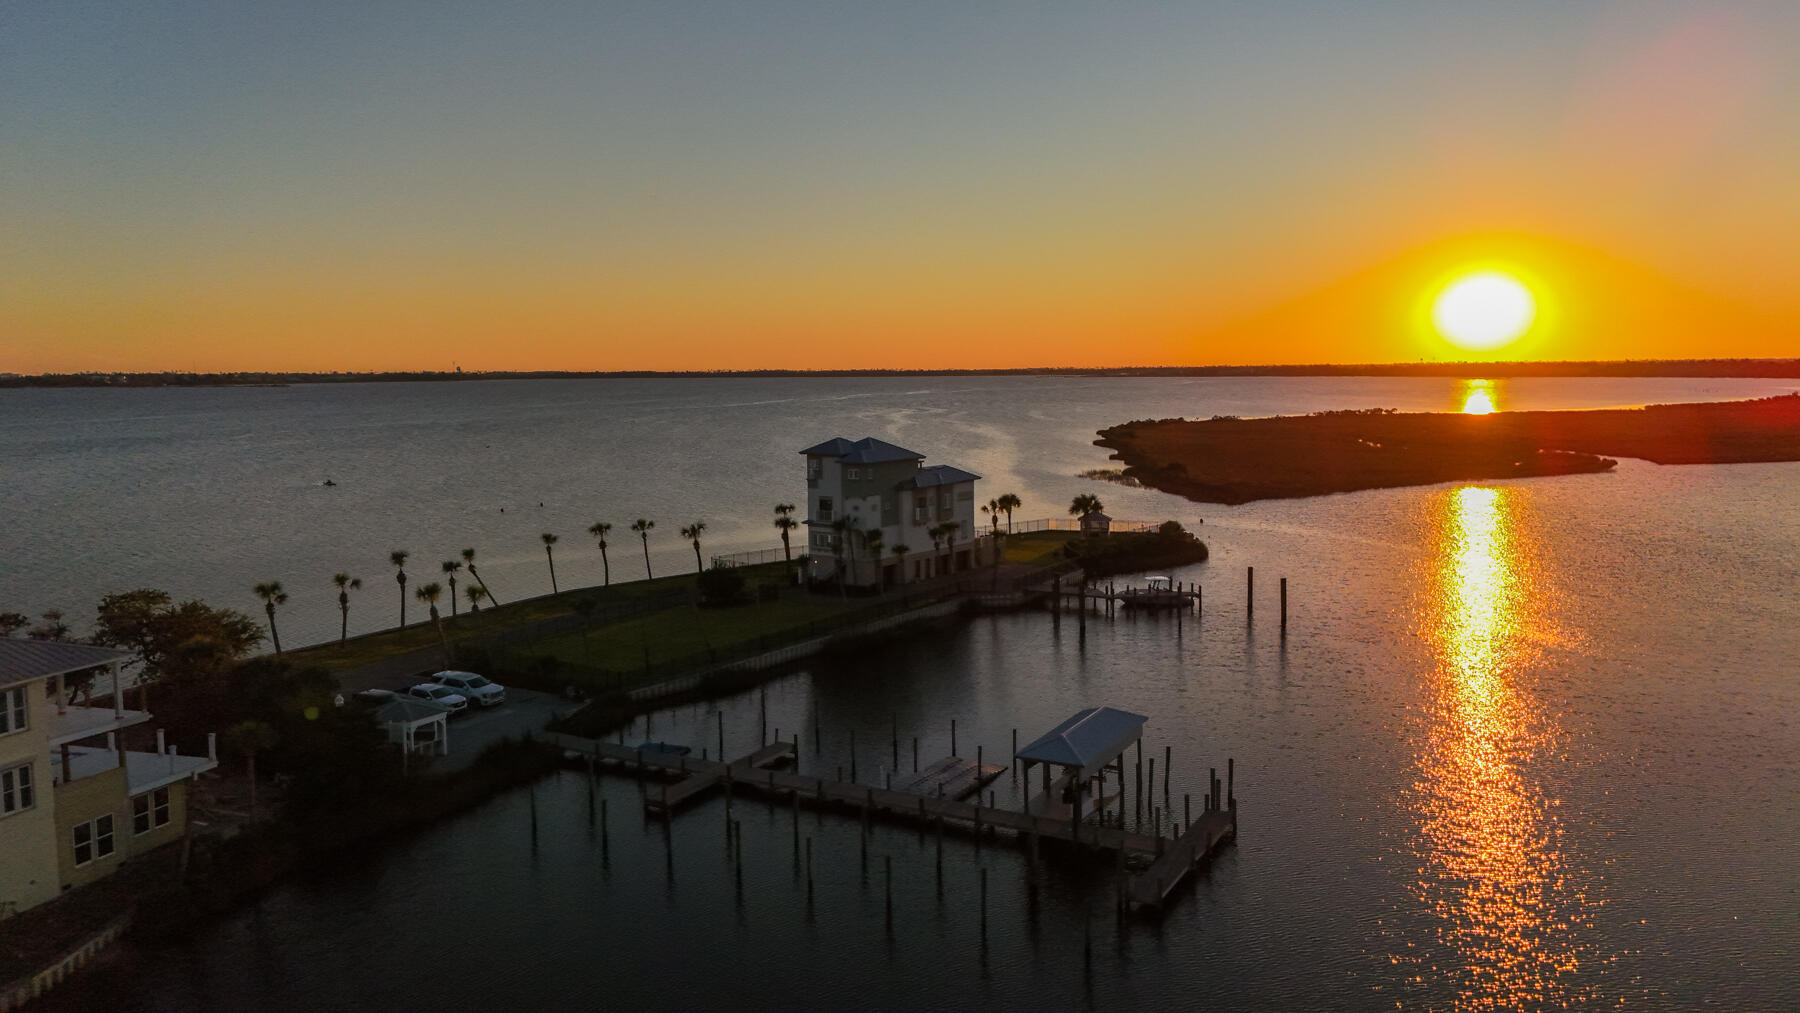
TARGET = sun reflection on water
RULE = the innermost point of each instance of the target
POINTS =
(1491, 868)
(1478, 397)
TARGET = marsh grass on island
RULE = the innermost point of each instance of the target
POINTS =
(1233, 460)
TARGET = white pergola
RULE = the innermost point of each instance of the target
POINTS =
(416, 726)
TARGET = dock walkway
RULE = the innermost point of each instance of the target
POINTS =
(917, 800)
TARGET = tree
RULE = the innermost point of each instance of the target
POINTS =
(992, 509)
(272, 595)
(950, 529)
(600, 529)
(468, 556)
(250, 738)
(642, 527)
(475, 592)
(693, 532)
(549, 540)
(1009, 502)
(900, 552)
(51, 628)
(937, 532)
(429, 593)
(345, 584)
(785, 522)
(1084, 504)
(13, 622)
(840, 545)
(451, 567)
(871, 540)
(398, 558)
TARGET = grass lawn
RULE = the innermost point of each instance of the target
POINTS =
(493, 619)
(1036, 546)
(689, 634)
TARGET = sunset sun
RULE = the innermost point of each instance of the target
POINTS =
(1483, 310)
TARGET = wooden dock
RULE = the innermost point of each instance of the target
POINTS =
(917, 800)
(1150, 889)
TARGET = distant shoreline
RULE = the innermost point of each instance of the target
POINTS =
(1697, 368)
(1232, 461)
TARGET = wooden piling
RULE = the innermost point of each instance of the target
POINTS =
(984, 904)
(952, 736)
(721, 717)
(1249, 594)
(1230, 777)
(1168, 751)
(1015, 754)
(894, 731)
(887, 876)
(915, 754)
(1187, 810)
(853, 755)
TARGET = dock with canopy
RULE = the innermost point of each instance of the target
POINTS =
(1085, 746)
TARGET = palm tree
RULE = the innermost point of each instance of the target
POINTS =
(950, 529)
(250, 738)
(692, 533)
(549, 540)
(475, 592)
(272, 595)
(468, 556)
(872, 541)
(900, 552)
(450, 568)
(840, 545)
(398, 558)
(1086, 503)
(642, 527)
(429, 593)
(785, 522)
(599, 530)
(1008, 502)
(345, 584)
(936, 531)
(993, 511)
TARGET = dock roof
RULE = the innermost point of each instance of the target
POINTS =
(25, 660)
(1087, 741)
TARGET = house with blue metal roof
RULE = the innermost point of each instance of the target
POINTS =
(877, 515)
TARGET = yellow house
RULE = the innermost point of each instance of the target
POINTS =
(74, 803)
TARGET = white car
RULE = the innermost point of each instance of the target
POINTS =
(443, 696)
(475, 687)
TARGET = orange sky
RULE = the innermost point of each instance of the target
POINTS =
(893, 190)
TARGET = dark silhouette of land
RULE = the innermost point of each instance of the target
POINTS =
(1769, 368)
(1232, 460)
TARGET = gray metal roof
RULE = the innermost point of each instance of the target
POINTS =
(939, 474)
(25, 660)
(1088, 740)
(837, 446)
(867, 450)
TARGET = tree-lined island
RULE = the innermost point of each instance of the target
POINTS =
(1233, 460)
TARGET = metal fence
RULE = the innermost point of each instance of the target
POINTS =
(1073, 524)
(755, 557)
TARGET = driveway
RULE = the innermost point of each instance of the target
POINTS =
(525, 710)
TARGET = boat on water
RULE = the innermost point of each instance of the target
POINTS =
(1158, 593)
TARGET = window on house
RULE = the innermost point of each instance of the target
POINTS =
(150, 811)
(825, 509)
(944, 499)
(15, 789)
(855, 473)
(15, 710)
(93, 839)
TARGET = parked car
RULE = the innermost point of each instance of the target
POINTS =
(475, 687)
(443, 696)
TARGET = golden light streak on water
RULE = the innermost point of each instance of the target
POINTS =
(1478, 397)
(1491, 870)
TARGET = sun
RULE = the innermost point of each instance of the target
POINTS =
(1485, 309)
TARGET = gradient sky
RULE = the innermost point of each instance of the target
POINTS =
(670, 185)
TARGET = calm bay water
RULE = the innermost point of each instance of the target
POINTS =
(1526, 744)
